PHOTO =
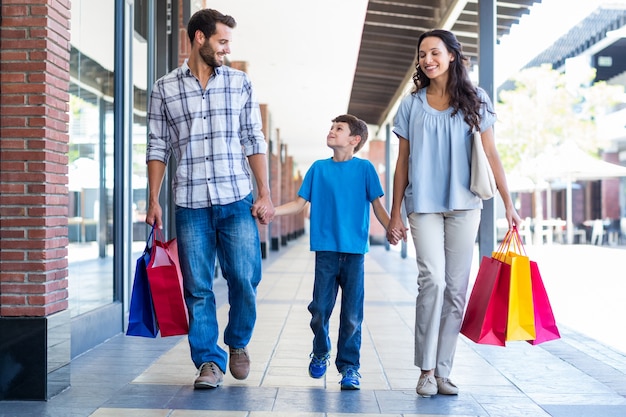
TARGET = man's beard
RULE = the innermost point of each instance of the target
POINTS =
(208, 56)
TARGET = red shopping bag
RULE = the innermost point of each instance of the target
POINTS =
(166, 285)
(545, 324)
(487, 309)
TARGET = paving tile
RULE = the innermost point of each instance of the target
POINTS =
(226, 398)
(145, 396)
(286, 414)
(130, 412)
(586, 410)
(512, 409)
(409, 402)
(320, 400)
(208, 413)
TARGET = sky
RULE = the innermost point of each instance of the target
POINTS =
(302, 56)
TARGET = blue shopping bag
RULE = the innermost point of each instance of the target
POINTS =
(142, 319)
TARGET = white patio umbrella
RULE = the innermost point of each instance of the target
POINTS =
(568, 163)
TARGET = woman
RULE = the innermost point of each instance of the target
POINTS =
(434, 124)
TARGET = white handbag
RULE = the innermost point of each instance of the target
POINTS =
(482, 181)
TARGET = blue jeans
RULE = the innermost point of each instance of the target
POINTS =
(230, 232)
(334, 270)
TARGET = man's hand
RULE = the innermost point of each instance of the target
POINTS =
(263, 209)
(154, 214)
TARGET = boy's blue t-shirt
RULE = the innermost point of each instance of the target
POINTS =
(340, 194)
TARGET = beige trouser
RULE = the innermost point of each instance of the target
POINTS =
(444, 247)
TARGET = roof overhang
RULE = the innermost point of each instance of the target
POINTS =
(390, 32)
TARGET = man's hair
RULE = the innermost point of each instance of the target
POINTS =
(205, 21)
(357, 128)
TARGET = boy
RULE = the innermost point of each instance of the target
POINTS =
(340, 190)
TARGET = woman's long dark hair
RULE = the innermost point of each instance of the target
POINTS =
(463, 96)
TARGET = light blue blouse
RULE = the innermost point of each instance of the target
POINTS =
(440, 154)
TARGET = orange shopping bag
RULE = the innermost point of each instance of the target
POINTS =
(521, 313)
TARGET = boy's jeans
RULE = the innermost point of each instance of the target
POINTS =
(230, 232)
(334, 270)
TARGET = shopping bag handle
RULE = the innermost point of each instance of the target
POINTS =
(149, 240)
(158, 233)
(512, 242)
(155, 234)
(519, 245)
(503, 248)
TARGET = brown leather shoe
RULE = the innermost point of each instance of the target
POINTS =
(211, 376)
(239, 363)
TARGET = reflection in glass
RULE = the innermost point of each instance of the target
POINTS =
(91, 167)
(90, 203)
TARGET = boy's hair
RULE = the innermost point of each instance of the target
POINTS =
(205, 21)
(357, 128)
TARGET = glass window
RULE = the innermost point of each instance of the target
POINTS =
(139, 130)
(90, 208)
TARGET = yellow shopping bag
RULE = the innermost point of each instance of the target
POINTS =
(521, 312)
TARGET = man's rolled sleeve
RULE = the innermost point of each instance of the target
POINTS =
(158, 133)
(252, 138)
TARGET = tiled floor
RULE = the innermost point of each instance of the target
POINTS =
(575, 376)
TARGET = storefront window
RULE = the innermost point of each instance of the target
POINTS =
(140, 134)
(91, 172)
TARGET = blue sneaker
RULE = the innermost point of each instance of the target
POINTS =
(350, 379)
(318, 365)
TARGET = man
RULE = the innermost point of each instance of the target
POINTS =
(207, 116)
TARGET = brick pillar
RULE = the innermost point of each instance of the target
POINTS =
(240, 65)
(277, 197)
(292, 192)
(34, 316)
(265, 119)
(184, 45)
(611, 209)
(376, 156)
(610, 192)
(300, 218)
(285, 191)
(264, 229)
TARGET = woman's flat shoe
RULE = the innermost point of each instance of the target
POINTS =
(446, 387)
(426, 385)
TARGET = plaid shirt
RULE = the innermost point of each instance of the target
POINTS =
(210, 133)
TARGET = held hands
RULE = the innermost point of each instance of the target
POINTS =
(394, 236)
(260, 214)
(396, 230)
(263, 210)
